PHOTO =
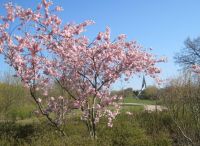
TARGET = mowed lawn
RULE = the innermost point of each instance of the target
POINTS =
(137, 100)
(136, 108)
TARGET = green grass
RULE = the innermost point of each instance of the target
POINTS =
(29, 121)
(136, 100)
(126, 131)
(132, 108)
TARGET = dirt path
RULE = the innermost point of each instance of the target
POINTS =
(147, 107)
(151, 108)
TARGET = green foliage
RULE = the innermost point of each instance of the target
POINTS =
(15, 102)
(151, 92)
(20, 113)
(139, 129)
(155, 122)
(182, 97)
(124, 132)
(158, 126)
(128, 92)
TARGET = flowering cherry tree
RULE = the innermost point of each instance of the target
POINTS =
(43, 51)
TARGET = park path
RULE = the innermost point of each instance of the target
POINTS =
(147, 107)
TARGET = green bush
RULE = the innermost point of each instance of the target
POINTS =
(151, 92)
(123, 133)
(20, 113)
(158, 126)
(15, 102)
(182, 98)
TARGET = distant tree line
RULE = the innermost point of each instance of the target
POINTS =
(150, 92)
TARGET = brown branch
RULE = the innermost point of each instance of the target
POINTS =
(45, 114)
(83, 75)
(70, 94)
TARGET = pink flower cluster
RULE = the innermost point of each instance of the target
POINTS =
(196, 69)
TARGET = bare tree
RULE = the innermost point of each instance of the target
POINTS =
(190, 54)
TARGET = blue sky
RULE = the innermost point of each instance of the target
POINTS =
(160, 24)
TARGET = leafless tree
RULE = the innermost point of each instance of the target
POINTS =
(190, 54)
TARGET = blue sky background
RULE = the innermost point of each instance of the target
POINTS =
(160, 24)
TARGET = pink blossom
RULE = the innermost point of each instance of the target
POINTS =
(196, 69)
(122, 36)
(61, 97)
(52, 98)
(58, 8)
(39, 100)
(45, 93)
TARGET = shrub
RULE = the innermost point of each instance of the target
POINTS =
(126, 132)
(182, 97)
(150, 92)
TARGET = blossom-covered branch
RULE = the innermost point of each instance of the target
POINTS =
(42, 50)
